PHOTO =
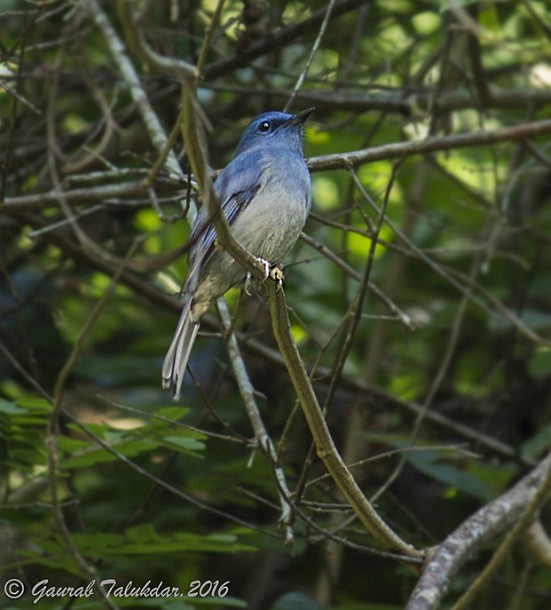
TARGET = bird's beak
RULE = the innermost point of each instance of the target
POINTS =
(301, 117)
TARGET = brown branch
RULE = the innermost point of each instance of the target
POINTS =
(194, 139)
(278, 39)
(129, 74)
(154, 296)
(109, 194)
(487, 523)
(264, 440)
(325, 446)
(142, 50)
(415, 101)
(429, 145)
(315, 164)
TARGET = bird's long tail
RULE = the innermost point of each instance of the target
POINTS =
(176, 359)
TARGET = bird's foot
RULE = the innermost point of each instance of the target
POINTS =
(248, 283)
(276, 273)
(267, 267)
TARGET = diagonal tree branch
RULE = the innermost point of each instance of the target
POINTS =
(514, 509)
(325, 446)
(278, 39)
(430, 145)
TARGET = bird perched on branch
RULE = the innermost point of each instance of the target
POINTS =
(265, 194)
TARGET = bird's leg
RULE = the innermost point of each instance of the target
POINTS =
(276, 273)
(248, 283)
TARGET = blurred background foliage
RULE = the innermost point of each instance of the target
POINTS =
(152, 490)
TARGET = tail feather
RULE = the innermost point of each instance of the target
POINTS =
(176, 359)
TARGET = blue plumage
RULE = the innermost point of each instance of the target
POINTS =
(265, 194)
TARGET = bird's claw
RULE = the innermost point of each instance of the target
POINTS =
(274, 272)
(267, 267)
(248, 283)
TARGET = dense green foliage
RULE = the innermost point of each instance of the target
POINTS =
(420, 299)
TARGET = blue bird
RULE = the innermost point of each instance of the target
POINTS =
(265, 194)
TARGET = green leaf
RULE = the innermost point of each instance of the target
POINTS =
(145, 540)
(35, 404)
(185, 445)
(174, 413)
(540, 363)
(9, 408)
(540, 442)
(100, 455)
(430, 463)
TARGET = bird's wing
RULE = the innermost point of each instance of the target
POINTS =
(236, 187)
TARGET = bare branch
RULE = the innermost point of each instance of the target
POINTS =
(430, 145)
(325, 446)
(278, 39)
(514, 509)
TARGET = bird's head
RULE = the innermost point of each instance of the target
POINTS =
(274, 129)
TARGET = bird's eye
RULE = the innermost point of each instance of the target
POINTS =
(264, 127)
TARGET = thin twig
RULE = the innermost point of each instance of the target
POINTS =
(247, 392)
(129, 74)
(313, 51)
